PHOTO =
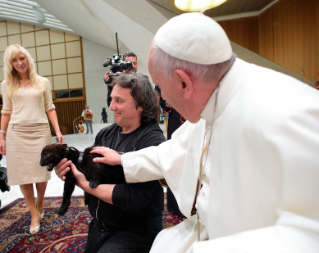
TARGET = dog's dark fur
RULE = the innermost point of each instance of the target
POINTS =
(96, 173)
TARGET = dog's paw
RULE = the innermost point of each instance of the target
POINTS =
(63, 209)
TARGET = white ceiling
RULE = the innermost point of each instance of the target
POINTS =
(135, 21)
(30, 12)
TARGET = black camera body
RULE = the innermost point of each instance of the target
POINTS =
(3, 178)
(117, 65)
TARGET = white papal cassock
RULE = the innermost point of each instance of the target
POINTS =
(261, 192)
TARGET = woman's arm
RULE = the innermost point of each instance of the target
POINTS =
(5, 118)
(54, 120)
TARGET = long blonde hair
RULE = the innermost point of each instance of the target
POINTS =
(12, 76)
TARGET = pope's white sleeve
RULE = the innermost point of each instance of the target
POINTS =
(163, 161)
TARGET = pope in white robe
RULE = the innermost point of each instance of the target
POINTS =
(254, 150)
(261, 188)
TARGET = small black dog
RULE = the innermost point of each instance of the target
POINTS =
(96, 173)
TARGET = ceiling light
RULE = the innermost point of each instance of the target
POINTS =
(196, 5)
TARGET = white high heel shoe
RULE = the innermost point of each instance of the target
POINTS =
(36, 229)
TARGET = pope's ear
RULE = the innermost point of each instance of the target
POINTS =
(184, 83)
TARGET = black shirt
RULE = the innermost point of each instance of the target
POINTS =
(139, 204)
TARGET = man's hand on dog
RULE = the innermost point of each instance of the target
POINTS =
(62, 168)
(81, 180)
(110, 156)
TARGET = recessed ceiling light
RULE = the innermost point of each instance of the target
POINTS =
(196, 5)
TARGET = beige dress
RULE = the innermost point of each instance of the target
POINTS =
(27, 133)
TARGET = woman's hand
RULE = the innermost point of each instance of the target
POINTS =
(59, 137)
(3, 147)
(110, 156)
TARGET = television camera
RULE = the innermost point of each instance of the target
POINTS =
(117, 64)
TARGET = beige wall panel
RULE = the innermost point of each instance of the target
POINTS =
(59, 67)
(31, 51)
(13, 28)
(26, 28)
(56, 36)
(14, 39)
(50, 80)
(58, 51)
(43, 53)
(3, 43)
(71, 37)
(28, 39)
(42, 37)
(44, 68)
(73, 49)
(3, 29)
(1, 59)
(1, 74)
(37, 28)
(60, 82)
(74, 65)
(75, 81)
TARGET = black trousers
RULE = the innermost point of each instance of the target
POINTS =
(105, 240)
(172, 205)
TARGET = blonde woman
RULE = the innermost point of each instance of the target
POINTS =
(25, 129)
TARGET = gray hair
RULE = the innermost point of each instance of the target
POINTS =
(207, 73)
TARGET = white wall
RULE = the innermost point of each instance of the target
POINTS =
(96, 90)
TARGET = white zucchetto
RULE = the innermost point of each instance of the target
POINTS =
(194, 37)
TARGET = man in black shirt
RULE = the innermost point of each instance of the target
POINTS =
(126, 217)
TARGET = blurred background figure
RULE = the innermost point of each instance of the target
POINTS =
(87, 114)
(104, 115)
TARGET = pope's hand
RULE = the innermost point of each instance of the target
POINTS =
(110, 156)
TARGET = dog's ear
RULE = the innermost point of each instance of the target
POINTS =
(64, 146)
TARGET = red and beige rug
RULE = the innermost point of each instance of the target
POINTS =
(58, 234)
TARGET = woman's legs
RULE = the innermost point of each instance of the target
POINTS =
(27, 190)
(41, 187)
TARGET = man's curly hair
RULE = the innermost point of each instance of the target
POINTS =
(142, 93)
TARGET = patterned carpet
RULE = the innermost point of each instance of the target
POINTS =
(57, 234)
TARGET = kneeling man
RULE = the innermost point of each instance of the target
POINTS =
(126, 217)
